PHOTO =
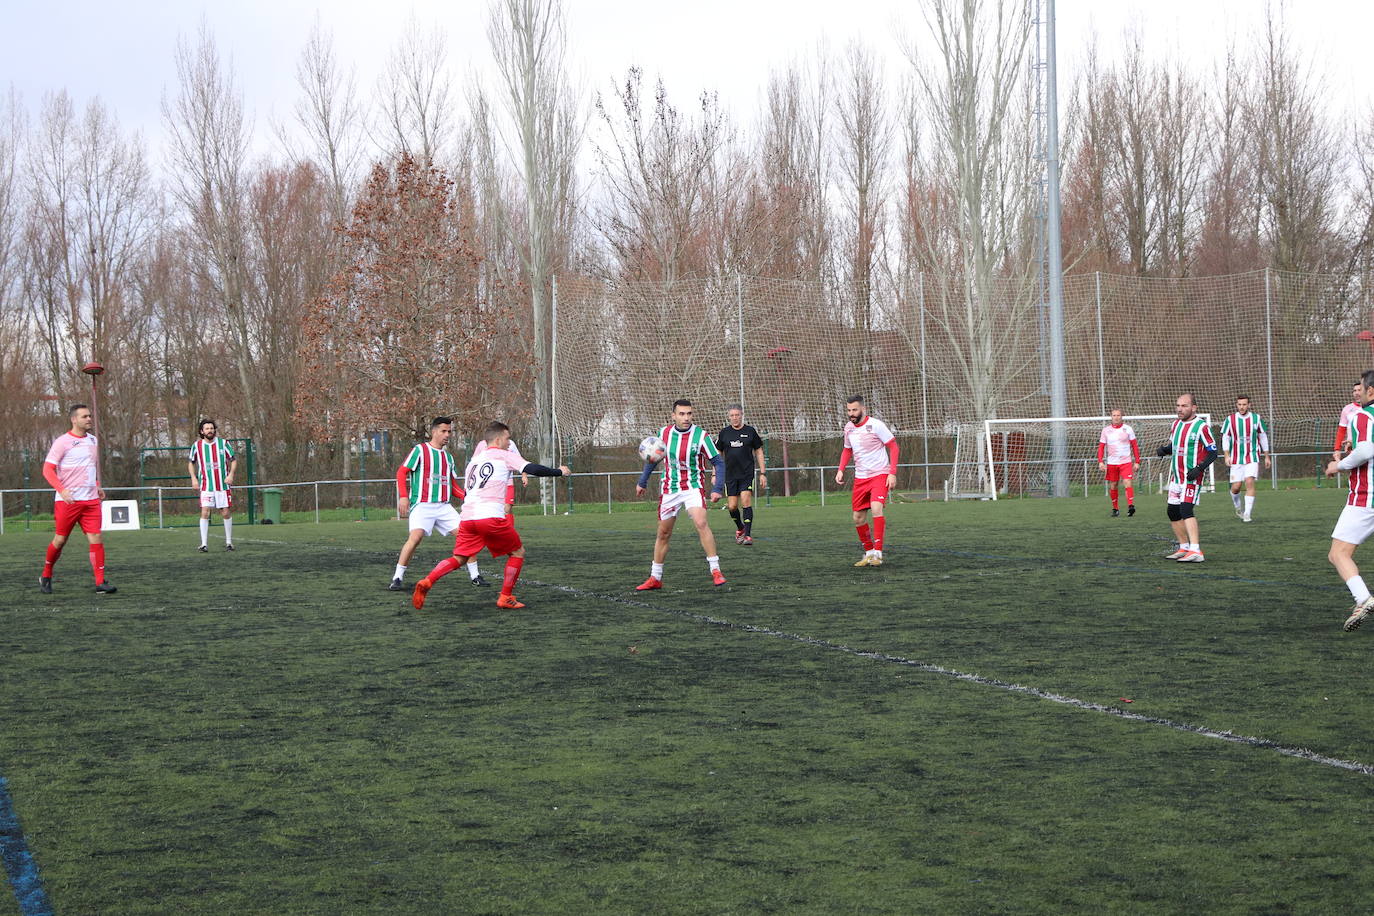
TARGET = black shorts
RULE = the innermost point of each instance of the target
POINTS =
(734, 486)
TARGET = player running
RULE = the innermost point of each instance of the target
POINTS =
(474, 571)
(1244, 438)
(72, 468)
(742, 448)
(682, 487)
(1342, 427)
(485, 519)
(1118, 455)
(1193, 450)
(874, 450)
(425, 484)
(212, 464)
(1357, 518)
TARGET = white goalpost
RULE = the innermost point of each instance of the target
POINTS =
(1025, 460)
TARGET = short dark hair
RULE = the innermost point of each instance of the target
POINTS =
(1243, 397)
(440, 421)
(681, 402)
(1190, 397)
(71, 412)
(1367, 378)
(203, 421)
(854, 399)
(494, 429)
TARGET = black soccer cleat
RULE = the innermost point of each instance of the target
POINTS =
(1115, 513)
(228, 546)
(45, 584)
(105, 588)
(1130, 510)
(478, 581)
(202, 549)
(396, 586)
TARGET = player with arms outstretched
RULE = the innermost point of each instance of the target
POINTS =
(1193, 449)
(426, 483)
(72, 468)
(212, 464)
(1244, 438)
(682, 487)
(474, 571)
(874, 450)
(1356, 523)
(485, 519)
(1118, 455)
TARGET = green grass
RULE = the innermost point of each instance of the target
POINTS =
(271, 731)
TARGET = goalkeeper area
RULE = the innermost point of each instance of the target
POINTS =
(1024, 710)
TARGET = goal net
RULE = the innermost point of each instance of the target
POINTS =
(1012, 457)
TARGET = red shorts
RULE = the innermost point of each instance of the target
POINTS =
(84, 511)
(495, 534)
(1117, 472)
(868, 491)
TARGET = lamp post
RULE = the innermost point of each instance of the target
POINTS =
(776, 354)
(94, 369)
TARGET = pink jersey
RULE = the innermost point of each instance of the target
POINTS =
(488, 475)
(77, 469)
(868, 442)
(1118, 440)
(1347, 412)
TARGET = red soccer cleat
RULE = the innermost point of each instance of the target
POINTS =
(649, 583)
(421, 589)
(508, 601)
(717, 577)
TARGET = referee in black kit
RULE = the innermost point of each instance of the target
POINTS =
(742, 447)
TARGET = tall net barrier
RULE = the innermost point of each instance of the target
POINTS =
(934, 353)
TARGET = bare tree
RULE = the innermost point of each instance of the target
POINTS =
(329, 115)
(1228, 239)
(416, 111)
(862, 157)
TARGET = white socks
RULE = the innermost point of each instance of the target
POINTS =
(713, 562)
(656, 570)
(400, 572)
(228, 531)
(1235, 500)
(204, 532)
(473, 571)
(1249, 505)
(1357, 588)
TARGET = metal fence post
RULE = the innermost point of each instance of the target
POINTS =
(317, 503)
(159, 507)
(609, 509)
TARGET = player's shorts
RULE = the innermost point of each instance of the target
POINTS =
(669, 504)
(1189, 492)
(734, 486)
(216, 499)
(85, 512)
(432, 517)
(1124, 471)
(1241, 471)
(497, 535)
(867, 491)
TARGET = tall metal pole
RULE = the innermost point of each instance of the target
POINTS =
(739, 331)
(1059, 403)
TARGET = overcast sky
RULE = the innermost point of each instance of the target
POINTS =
(124, 51)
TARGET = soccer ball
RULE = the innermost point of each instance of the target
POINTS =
(651, 448)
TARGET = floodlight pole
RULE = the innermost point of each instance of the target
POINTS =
(1059, 437)
(94, 370)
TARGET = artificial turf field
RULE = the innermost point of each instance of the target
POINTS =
(271, 731)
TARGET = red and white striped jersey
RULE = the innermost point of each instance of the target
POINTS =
(1191, 439)
(77, 468)
(1118, 441)
(1248, 434)
(868, 441)
(687, 449)
(1361, 429)
(432, 474)
(487, 477)
(211, 458)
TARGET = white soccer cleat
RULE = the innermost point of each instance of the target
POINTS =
(1192, 556)
(1176, 555)
(876, 559)
(1358, 613)
(1246, 518)
(1240, 513)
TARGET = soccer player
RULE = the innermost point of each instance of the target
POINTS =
(1118, 454)
(874, 450)
(742, 448)
(1346, 413)
(425, 484)
(1244, 438)
(1357, 518)
(474, 571)
(212, 465)
(1193, 450)
(682, 486)
(486, 518)
(72, 468)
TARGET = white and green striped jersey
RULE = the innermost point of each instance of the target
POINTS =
(211, 458)
(1247, 434)
(432, 474)
(683, 462)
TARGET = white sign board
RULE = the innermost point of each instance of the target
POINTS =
(119, 515)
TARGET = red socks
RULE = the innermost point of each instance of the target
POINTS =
(53, 554)
(1130, 497)
(446, 566)
(879, 524)
(512, 574)
(865, 541)
(1114, 494)
(98, 563)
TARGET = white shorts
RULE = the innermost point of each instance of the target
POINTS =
(1241, 471)
(1180, 493)
(670, 503)
(432, 517)
(215, 499)
(1355, 524)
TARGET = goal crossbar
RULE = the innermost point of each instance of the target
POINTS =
(1025, 421)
